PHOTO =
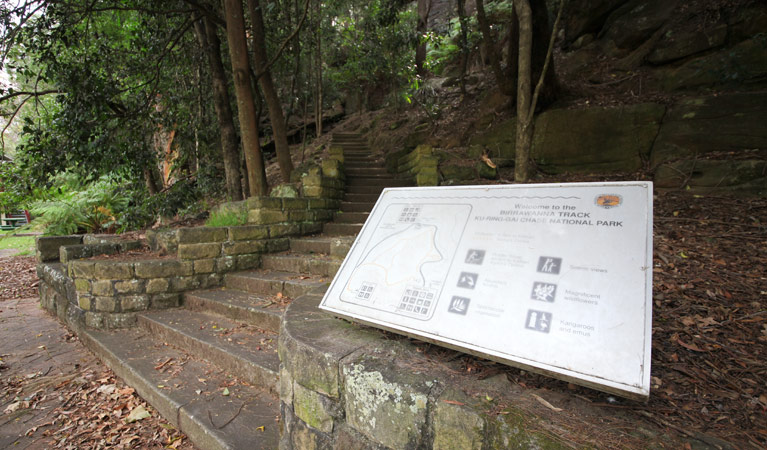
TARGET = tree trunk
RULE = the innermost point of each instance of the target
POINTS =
(273, 104)
(206, 34)
(464, 44)
(527, 100)
(505, 83)
(524, 138)
(246, 109)
(424, 8)
(541, 31)
(318, 68)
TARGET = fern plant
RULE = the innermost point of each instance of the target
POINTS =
(95, 207)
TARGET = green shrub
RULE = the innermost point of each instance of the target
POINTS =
(96, 207)
(227, 218)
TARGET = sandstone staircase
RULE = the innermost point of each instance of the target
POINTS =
(211, 367)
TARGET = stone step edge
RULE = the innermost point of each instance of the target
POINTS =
(196, 428)
(214, 354)
(198, 301)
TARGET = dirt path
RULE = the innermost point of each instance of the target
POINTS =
(55, 394)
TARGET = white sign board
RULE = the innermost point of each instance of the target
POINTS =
(556, 279)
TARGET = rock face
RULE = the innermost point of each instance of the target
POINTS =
(714, 175)
(716, 123)
(742, 64)
(677, 45)
(633, 23)
(596, 139)
(586, 16)
(582, 140)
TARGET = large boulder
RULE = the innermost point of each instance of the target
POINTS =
(633, 23)
(698, 126)
(741, 64)
(677, 45)
(596, 139)
(586, 16)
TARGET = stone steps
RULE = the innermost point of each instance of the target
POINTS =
(381, 182)
(356, 206)
(255, 310)
(188, 391)
(365, 198)
(341, 229)
(235, 327)
(244, 351)
(300, 264)
(351, 217)
(265, 282)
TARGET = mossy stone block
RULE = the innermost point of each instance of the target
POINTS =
(295, 203)
(157, 285)
(81, 269)
(164, 301)
(134, 303)
(102, 287)
(196, 235)
(205, 265)
(181, 284)
(163, 268)
(84, 302)
(267, 216)
(264, 202)
(129, 286)
(109, 270)
(312, 408)
(104, 304)
(288, 229)
(456, 426)
(82, 286)
(246, 262)
(248, 233)
(384, 403)
(244, 247)
(199, 251)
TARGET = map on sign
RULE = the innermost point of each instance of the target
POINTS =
(401, 269)
(552, 278)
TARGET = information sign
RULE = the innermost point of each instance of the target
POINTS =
(552, 278)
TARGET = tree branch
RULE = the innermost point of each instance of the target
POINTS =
(30, 94)
(284, 44)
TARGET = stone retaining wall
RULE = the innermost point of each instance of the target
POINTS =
(348, 386)
(109, 293)
(419, 164)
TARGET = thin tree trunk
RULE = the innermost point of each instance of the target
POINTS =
(464, 44)
(527, 100)
(273, 104)
(246, 109)
(206, 34)
(424, 8)
(505, 83)
(318, 68)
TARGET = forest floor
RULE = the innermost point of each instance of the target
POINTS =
(53, 392)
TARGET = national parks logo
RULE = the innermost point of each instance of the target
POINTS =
(608, 201)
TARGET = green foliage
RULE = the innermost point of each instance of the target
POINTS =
(96, 207)
(14, 191)
(227, 218)
(374, 46)
(443, 50)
